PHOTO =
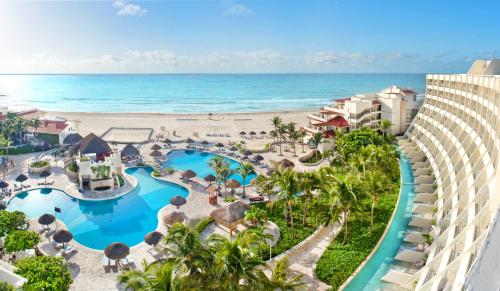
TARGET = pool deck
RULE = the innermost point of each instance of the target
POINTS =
(86, 264)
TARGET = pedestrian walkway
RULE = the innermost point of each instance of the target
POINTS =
(303, 259)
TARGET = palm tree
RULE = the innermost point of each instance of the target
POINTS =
(220, 166)
(265, 185)
(376, 184)
(274, 134)
(256, 215)
(316, 139)
(280, 279)
(308, 182)
(156, 276)
(183, 244)
(244, 170)
(277, 124)
(236, 261)
(288, 185)
(35, 123)
(385, 125)
(302, 135)
(344, 194)
(282, 130)
(294, 137)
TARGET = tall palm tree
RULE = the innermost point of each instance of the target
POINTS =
(294, 137)
(220, 166)
(183, 244)
(385, 125)
(308, 182)
(274, 135)
(288, 184)
(280, 279)
(156, 276)
(266, 186)
(316, 139)
(255, 215)
(344, 194)
(236, 262)
(35, 123)
(277, 121)
(244, 170)
(302, 135)
(376, 183)
(282, 130)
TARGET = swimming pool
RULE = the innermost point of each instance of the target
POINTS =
(369, 277)
(96, 224)
(197, 161)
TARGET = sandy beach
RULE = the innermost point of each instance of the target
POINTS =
(181, 126)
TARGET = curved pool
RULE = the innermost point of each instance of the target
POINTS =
(96, 224)
(370, 275)
(197, 161)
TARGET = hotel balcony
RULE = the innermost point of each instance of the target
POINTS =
(318, 117)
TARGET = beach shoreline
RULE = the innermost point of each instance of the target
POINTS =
(194, 125)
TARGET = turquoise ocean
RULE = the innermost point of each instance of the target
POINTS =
(191, 93)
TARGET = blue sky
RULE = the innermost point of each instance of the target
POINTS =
(125, 36)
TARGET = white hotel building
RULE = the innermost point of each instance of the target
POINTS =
(454, 146)
(398, 105)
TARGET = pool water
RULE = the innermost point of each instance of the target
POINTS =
(369, 277)
(198, 161)
(96, 224)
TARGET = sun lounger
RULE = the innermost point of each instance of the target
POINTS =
(106, 262)
(68, 250)
(17, 189)
(256, 199)
(43, 228)
(26, 186)
(56, 244)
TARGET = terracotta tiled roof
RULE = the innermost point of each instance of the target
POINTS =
(338, 121)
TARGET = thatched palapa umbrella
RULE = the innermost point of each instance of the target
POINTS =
(205, 143)
(156, 154)
(117, 251)
(129, 151)
(167, 141)
(285, 163)
(189, 140)
(46, 219)
(155, 147)
(188, 174)
(219, 145)
(173, 217)
(209, 178)
(258, 158)
(3, 184)
(62, 236)
(233, 184)
(242, 133)
(233, 149)
(21, 178)
(248, 153)
(178, 201)
(253, 133)
(44, 175)
(263, 132)
(153, 238)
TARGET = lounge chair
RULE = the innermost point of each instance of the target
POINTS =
(16, 188)
(68, 249)
(43, 228)
(106, 262)
(256, 199)
(57, 245)
(26, 186)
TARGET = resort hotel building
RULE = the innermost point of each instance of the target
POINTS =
(453, 145)
(398, 105)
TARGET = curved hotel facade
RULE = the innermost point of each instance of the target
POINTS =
(454, 145)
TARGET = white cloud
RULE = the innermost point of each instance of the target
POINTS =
(238, 10)
(124, 8)
(329, 58)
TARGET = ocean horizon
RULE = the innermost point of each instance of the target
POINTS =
(192, 93)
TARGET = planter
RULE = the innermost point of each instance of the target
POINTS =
(38, 170)
(73, 176)
(306, 157)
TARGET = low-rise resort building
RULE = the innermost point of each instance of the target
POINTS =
(397, 105)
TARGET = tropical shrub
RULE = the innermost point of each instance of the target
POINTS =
(73, 167)
(44, 273)
(39, 164)
(101, 171)
(4, 286)
(20, 240)
(230, 199)
(156, 174)
(169, 170)
(10, 221)
(202, 224)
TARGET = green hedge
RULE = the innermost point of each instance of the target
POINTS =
(39, 164)
(340, 259)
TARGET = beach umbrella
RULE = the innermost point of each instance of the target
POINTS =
(242, 133)
(44, 175)
(46, 219)
(3, 205)
(209, 178)
(167, 141)
(117, 251)
(156, 147)
(21, 178)
(178, 201)
(62, 236)
(285, 163)
(173, 217)
(153, 238)
(263, 132)
(219, 145)
(245, 158)
(155, 154)
(233, 184)
(205, 143)
(247, 153)
(3, 184)
(188, 174)
(252, 133)
(258, 158)
(189, 140)
(233, 148)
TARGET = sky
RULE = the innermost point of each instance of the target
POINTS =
(243, 36)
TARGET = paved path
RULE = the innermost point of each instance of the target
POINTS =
(303, 259)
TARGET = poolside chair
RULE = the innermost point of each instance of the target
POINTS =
(69, 249)
(106, 262)
(16, 188)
